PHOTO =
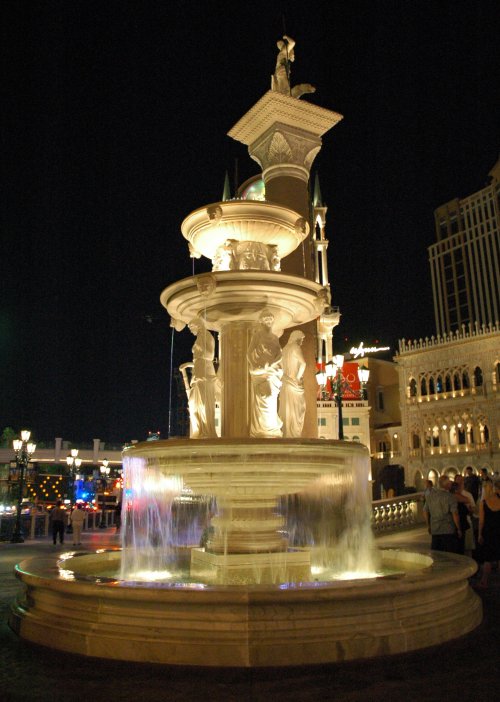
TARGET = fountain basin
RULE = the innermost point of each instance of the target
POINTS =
(244, 220)
(69, 606)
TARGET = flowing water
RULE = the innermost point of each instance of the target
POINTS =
(162, 520)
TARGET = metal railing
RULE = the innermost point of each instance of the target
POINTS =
(34, 526)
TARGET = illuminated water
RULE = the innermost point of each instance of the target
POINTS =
(163, 518)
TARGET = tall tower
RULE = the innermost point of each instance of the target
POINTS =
(465, 261)
(283, 134)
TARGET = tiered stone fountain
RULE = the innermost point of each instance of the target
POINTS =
(252, 594)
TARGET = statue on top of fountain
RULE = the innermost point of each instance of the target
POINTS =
(292, 404)
(280, 81)
(264, 363)
(202, 390)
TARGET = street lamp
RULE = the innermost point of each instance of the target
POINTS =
(339, 385)
(23, 451)
(105, 471)
(73, 463)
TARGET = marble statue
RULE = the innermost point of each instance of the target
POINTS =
(264, 362)
(202, 388)
(292, 402)
(280, 81)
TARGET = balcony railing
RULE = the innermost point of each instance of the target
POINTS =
(397, 513)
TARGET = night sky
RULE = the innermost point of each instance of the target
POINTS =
(114, 122)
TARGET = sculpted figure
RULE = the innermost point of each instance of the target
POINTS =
(202, 389)
(264, 361)
(292, 407)
(252, 255)
(223, 259)
(280, 81)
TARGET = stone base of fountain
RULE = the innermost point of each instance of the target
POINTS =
(71, 606)
(244, 568)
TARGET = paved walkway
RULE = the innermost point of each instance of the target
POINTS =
(464, 670)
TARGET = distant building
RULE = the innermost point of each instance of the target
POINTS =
(450, 400)
(465, 260)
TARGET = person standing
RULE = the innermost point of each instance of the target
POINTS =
(77, 520)
(471, 483)
(58, 518)
(441, 516)
(489, 529)
(466, 506)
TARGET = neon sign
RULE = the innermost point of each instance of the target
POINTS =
(360, 350)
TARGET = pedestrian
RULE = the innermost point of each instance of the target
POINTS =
(441, 516)
(484, 478)
(489, 529)
(77, 520)
(466, 506)
(472, 483)
(58, 518)
(118, 515)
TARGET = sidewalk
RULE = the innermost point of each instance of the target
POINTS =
(466, 669)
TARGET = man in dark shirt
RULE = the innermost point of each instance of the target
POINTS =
(471, 483)
(58, 518)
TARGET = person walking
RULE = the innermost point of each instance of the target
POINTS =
(58, 519)
(441, 516)
(77, 520)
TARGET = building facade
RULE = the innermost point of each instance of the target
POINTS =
(450, 403)
(465, 260)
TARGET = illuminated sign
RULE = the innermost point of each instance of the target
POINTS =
(360, 350)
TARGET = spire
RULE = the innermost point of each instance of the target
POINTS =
(317, 199)
(226, 195)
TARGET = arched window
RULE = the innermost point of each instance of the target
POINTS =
(432, 389)
(456, 381)
(486, 433)
(415, 441)
(447, 383)
(478, 377)
(413, 387)
(435, 436)
(423, 387)
(439, 384)
(497, 372)
(461, 436)
(465, 380)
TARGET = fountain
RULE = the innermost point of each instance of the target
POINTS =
(252, 548)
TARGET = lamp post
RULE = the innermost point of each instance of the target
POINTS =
(339, 385)
(105, 471)
(23, 450)
(73, 463)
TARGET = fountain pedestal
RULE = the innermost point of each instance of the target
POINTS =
(246, 569)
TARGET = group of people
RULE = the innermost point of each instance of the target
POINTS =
(463, 516)
(59, 519)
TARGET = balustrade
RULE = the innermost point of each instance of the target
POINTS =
(397, 513)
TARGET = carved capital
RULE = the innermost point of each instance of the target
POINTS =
(285, 146)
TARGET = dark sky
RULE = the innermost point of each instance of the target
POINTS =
(114, 122)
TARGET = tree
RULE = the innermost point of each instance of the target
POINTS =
(7, 436)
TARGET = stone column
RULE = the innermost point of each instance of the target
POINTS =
(235, 401)
(283, 135)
